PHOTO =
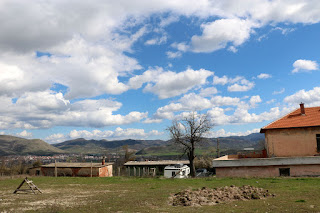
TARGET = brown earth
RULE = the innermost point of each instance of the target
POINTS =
(206, 196)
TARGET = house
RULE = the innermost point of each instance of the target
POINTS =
(78, 169)
(292, 146)
(146, 168)
(296, 134)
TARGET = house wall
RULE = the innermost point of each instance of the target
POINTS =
(292, 142)
(105, 171)
(268, 171)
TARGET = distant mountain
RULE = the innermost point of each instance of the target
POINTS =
(227, 145)
(84, 146)
(10, 145)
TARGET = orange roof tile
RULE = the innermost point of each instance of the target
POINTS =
(296, 119)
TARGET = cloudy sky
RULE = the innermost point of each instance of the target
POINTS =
(125, 69)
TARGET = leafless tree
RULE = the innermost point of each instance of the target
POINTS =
(189, 132)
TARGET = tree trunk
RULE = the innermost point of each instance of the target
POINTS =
(192, 167)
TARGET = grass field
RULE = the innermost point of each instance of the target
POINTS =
(122, 194)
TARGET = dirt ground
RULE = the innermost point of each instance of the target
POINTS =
(206, 196)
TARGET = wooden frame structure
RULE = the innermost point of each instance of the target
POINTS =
(32, 187)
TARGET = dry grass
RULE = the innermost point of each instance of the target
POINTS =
(119, 194)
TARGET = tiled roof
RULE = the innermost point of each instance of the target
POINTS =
(296, 119)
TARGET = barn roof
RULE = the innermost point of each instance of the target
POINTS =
(156, 163)
(296, 119)
(75, 165)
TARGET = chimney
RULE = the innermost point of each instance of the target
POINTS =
(302, 109)
(103, 160)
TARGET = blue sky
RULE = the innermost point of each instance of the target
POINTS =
(126, 69)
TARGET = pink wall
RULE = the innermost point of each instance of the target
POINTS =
(268, 171)
(292, 142)
(105, 171)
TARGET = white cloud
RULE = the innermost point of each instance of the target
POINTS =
(156, 41)
(304, 65)
(176, 54)
(117, 134)
(207, 92)
(271, 101)
(239, 83)
(311, 97)
(217, 34)
(47, 109)
(233, 49)
(169, 84)
(241, 115)
(223, 80)
(254, 100)
(279, 92)
(24, 134)
(223, 133)
(242, 86)
(264, 76)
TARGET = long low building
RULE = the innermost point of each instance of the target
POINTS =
(267, 167)
(77, 169)
(143, 168)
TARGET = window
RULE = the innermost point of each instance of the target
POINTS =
(284, 171)
(318, 142)
(173, 174)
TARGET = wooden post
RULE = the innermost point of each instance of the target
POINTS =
(134, 171)
(55, 169)
(128, 171)
(91, 170)
(119, 171)
(139, 171)
(143, 171)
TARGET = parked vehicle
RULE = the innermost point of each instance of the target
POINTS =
(176, 171)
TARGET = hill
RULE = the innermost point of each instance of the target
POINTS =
(227, 145)
(10, 145)
(84, 146)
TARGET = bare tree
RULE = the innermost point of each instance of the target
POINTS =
(188, 133)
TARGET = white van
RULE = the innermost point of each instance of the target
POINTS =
(176, 171)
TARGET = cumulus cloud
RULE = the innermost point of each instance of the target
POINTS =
(117, 134)
(224, 133)
(311, 97)
(238, 84)
(207, 92)
(242, 115)
(304, 65)
(264, 76)
(169, 84)
(24, 134)
(47, 109)
(217, 34)
(241, 86)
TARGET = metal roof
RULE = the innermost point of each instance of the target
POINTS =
(156, 163)
(76, 165)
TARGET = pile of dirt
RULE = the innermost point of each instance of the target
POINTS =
(206, 196)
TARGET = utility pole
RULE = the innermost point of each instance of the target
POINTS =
(218, 151)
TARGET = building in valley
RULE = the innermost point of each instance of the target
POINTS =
(77, 169)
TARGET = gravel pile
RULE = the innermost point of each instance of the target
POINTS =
(206, 196)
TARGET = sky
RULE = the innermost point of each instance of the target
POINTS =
(126, 69)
